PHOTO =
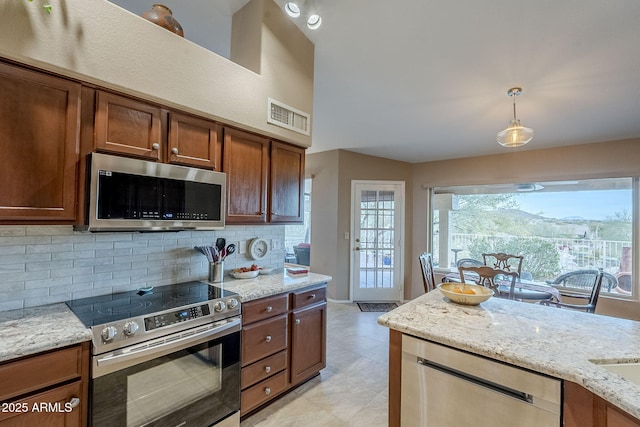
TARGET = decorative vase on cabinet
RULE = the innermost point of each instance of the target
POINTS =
(161, 15)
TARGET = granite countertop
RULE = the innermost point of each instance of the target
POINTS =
(270, 284)
(33, 330)
(556, 342)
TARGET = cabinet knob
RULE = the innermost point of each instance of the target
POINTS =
(155, 146)
(174, 150)
(269, 309)
(297, 321)
(267, 391)
(74, 402)
(312, 296)
(268, 338)
(267, 369)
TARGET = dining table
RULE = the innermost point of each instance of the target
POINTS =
(525, 289)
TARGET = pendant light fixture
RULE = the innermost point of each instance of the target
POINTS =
(515, 135)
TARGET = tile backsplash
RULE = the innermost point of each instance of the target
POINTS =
(46, 264)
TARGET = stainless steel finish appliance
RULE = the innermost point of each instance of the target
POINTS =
(164, 356)
(442, 386)
(125, 194)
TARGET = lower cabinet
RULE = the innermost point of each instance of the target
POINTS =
(283, 344)
(584, 409)
(48, 389)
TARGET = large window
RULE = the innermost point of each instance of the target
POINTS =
(558, 226)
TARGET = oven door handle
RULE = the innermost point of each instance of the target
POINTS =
(166, 344)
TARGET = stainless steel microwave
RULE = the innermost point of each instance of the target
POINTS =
(127, 194)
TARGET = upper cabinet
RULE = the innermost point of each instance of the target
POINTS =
(286, 187)
(194, 141)
(246, 163)
(127, 126)
(39, 124)
(265, 179)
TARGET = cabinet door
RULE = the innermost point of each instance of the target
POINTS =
(40, 125)
(287, 183)
(308, 338)
(58, 407)
(193, 141)
(127, 126)
(245, 159)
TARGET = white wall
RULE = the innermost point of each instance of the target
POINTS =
(46, 264)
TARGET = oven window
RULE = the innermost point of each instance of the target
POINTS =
(198, 384)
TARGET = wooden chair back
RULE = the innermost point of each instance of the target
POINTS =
(487, 276)
(428, 278)
(502, 261)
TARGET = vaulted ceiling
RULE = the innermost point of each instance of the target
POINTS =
(417, 80)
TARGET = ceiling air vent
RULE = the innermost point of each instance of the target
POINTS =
(280, 114)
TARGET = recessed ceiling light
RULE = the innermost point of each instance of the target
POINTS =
(292, 9)
(314, 22)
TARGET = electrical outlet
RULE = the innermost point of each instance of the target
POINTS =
(275, 244)
(242, 247)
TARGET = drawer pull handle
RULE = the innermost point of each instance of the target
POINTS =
(269, 309)
(267, 391)
(175, 151)
(268, 338)
(297, 321)
(267, 369)
(312, 296)
(74, 402)
(155, 146)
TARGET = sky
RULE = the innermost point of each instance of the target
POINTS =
(585, 204)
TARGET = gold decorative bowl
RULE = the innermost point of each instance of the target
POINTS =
(465, 293)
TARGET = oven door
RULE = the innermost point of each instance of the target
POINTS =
(189, 378)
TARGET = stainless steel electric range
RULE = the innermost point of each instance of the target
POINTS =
(164, 356)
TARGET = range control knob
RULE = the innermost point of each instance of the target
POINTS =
(109, 333)
(219, 306)
(130, 328)
(232, 303)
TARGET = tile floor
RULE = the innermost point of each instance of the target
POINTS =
(351, 390)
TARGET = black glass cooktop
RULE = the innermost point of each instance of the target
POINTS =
(102, 309)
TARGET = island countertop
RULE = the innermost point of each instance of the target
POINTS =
(560, 343)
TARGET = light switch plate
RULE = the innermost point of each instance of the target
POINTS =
(242, 247)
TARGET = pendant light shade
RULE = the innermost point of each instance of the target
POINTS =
(515, 135)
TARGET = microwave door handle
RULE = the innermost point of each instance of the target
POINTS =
(168, 343)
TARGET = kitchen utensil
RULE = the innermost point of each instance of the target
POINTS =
(231, 248)
(220, 243)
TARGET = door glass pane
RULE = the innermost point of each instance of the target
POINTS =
(377, 222)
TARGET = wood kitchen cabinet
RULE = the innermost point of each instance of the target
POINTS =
(128, 126)
(39, 116)
(46, 389)
(283, 344)
(582, 408)
(265, 179)
(308, 334)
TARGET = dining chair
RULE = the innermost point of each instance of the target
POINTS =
(487, 276)
(591, 299)
(428, 278)
(584, 279)
(503, 261)
(468, 262)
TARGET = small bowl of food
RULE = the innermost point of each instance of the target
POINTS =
(465, 293)
(245, 272)
(266, 270)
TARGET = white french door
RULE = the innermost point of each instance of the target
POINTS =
(377, 238)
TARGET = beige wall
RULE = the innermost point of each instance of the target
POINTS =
(601, 160)
(332, 174)
(101, 43)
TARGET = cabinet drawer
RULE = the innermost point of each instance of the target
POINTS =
(262, 392)
(263, 339)
(263, 369)
(264, 308)
(60, 406)
(33, 373)
(309, 297)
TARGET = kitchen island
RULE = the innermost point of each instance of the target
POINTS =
(555, 342)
